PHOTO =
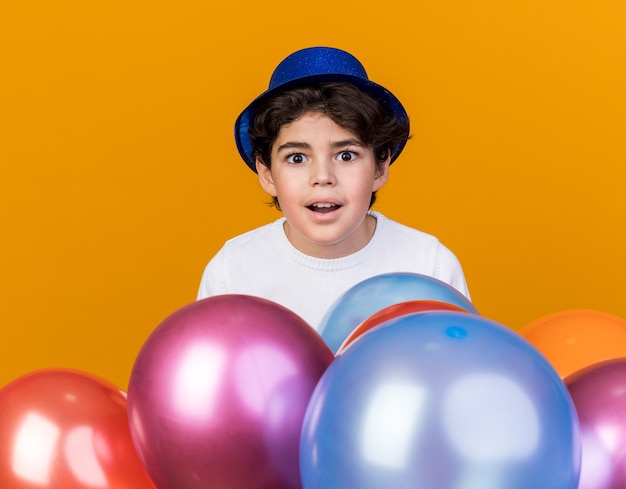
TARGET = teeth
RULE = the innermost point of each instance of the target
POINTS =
(323, 204)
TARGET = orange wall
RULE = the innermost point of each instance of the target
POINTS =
(119, 177)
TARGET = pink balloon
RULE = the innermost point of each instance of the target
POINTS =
(599, 395)
(218, 393)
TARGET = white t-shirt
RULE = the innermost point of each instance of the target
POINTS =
(263, 263)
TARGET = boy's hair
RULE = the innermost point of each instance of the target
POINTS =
(347, 105)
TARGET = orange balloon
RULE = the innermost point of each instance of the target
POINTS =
(66, 429)
(575, 339)
(393, 311)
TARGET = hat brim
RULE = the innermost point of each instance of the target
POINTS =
(378, 92)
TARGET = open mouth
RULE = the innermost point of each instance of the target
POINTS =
(323, 207)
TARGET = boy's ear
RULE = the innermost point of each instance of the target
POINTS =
(265, 178)
(382, 174)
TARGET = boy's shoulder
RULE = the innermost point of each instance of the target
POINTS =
(404, 244)
(262, 234)
(396, 230)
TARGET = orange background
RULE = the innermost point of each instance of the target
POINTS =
(119, 176)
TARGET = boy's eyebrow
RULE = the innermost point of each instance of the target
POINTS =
(293, 144)
(304, 145)
(347, 142)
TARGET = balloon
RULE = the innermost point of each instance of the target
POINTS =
(575, 339)
(64, 429)
(393, 311)
(218, 393)
(598, 394)
(375, 293)
(440, 400)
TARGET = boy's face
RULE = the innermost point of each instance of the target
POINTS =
(323, 177)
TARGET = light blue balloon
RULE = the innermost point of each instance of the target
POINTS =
(376, 293)
(440, 400)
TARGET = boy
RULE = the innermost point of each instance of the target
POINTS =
(321, 139)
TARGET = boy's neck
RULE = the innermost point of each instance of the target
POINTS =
(355, 242)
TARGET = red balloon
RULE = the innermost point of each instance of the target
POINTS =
(64, 429)
(396, 310)
(217, 395)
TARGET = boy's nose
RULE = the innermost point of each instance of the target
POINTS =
(322, 173)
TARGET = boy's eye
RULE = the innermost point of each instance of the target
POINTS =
(347, 155)
(295, 158)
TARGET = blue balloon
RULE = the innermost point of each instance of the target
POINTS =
(440, 400)
(375, 293)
